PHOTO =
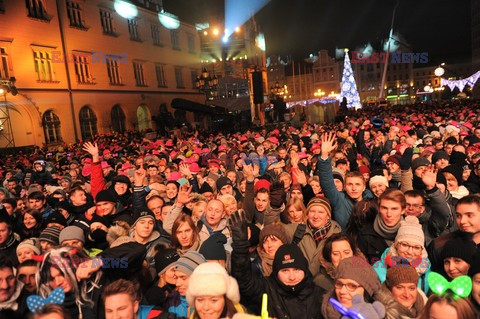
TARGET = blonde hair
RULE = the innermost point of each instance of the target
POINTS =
(297, 204)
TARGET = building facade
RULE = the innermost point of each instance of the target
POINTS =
(82, 69)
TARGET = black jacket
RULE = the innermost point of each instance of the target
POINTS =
(300, 301)
(371, 244)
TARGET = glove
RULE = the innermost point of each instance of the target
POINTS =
(238, 226)
(406, 159)
(375, 310)
(277, 195)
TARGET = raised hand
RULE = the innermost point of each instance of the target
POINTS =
(277, 195)
(300, 176)
(92, 149)
(139, 176)
(238, 226)
(429, 177)
(248, 171)
(185, 170)
(184, 196)
(406, 159)
(329, 143)
(294, 159)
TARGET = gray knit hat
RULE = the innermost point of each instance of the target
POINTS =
(51, 235)
(189, 261)
(358, 269)
(71, 233)
(31, 243)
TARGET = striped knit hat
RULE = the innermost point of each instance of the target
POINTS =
(189, 261)
(320, 201)
(51, 235)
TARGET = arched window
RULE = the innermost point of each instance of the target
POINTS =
(118, 119)
(88, 123)
(51, 127)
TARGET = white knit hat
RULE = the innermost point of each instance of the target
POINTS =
(410, 231)
(378, 179)
(211, 279)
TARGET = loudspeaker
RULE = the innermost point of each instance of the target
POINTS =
(257, 84)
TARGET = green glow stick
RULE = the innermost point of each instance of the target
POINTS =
(264, 313)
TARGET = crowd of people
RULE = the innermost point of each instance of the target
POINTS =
(377, 215)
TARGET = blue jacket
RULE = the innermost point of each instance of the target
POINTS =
(342, 205)
(381, 270)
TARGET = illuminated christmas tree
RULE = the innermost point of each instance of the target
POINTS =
(349, 87)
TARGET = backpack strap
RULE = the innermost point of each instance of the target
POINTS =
(299, 232)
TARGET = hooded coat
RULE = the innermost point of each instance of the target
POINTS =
(300, 301)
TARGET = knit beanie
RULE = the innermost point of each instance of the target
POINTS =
(31, 243)
(261, 183)
(358, 269)
(401, 273)
(71, 233)
(56, 217)
(223, 181)
(378, 179)
(337, 174)
(189, 261)
(438, 155)
(121, 179)
(206, 188)
(462, 247)
(393, 159)
(211, 279)
(164, 258)
(418, 162)
(274, 229)
(213, 248)
(456, 171)
(105, 196)
(51, 235)
(322, 202)
(143, 214)
(213, 176)
(289, 256)
(410, 231)
(364, 169)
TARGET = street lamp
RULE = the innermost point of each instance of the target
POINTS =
(440, 71)
(207, 84)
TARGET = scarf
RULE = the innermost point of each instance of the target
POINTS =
(462, 191)
(12, 303)
(320, 233)
(388, 233)
(267, 261)
(10, 241)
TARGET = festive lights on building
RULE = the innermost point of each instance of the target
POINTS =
(471, 80)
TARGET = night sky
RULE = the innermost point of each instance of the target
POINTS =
(301, 27)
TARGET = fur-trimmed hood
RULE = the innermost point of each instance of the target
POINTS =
(118, 235)
(394, 310)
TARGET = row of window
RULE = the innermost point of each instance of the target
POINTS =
(44, 69)
(36, 9)
(88, 123)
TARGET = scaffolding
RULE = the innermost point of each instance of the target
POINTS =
(7, 138)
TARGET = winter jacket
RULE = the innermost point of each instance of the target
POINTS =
(394, 310)
(309, 247)
(284, 302)
(43, 177)
(381, 266)
(371, 244)
(327, 272)
(341, 203)
(154, 240)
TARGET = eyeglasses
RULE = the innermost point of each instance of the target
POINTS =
(404, 247)
(416, 206)
(350, 287)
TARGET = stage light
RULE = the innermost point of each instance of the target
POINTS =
(215, 31)
(168, 20)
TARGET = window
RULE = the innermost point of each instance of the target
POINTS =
(43, 66)
(193, 74)
(160, 73)
(133, 29)
(51, 127)
(138, 72)
(2, 6)
(106, 18)
(82, 68)
(74, 13)
(156, 35)
(191, 43)
(4, 74)
(88, 123)
(36, 9)
(113, 70)
(179, 77)
(118, 119)
(174, 37)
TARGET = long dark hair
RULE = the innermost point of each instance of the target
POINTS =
(34, 231)
(179, 221)
(363, 213)
(327, 248)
